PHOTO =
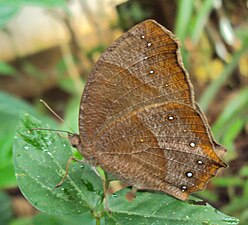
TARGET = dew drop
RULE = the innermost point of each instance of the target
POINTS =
(145, 58)
(199, 162)
(166, 85)
(217, 211)
(149, 44)
(49, 143)
(61, 172)
(141, 140)
(230, 220)
(151, 71)
(142, 36)
(114, 195)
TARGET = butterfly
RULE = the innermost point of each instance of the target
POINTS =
(138, 118)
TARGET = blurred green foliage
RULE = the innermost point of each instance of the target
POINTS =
(10, 8)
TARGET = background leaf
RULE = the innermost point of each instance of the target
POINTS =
(9, 117)
(47, 219)
(5, 209)
(40, 159)
(157, 208)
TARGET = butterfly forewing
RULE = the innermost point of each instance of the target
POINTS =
(140, 68)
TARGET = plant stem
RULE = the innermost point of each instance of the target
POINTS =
(97, 221)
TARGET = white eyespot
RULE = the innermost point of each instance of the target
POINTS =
(199, 162)
(183, 188)
(192, 144)
(151, 71)
(189, 174)
(171, 117)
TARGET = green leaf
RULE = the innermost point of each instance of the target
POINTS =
(7, 12)
(7, 176)
(71, 112)
(10, 108)
(47, 219)
(5, 208)
(43, 3)
(202, 17)
(232, 116)
(214, 87)
(9, 9)
(40, 159)
(6, 69)
(244, 171)
(228, 181)
(157, 208)
(184, 14)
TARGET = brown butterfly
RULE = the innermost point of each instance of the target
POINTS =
(138, 118)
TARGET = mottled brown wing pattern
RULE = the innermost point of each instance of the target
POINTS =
(163, 147)
(138, 119)
(140, 68)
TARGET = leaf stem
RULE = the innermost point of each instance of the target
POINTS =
(97, 221)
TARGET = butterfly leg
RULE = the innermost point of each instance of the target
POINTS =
(67, 170)
(131, 195)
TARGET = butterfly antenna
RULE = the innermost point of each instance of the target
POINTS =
(56, 115)
(56, 130)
